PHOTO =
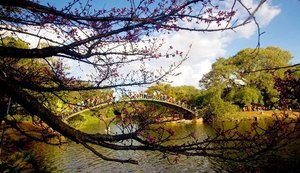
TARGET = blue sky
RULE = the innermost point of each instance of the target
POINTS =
(279, 19)
(283, 31)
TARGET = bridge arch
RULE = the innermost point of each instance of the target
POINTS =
(187, 113)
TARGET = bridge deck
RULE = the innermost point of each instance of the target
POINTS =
(187, 112)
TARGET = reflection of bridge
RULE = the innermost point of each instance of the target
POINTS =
(187, 113)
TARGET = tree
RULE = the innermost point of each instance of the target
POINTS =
(108, 41)
(240, 72)
(244, 96)
(161, 89)
(220, 76)
(214, 106)
(183, 94)
(289, 89)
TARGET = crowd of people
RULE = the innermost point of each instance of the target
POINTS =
(93, 101)
(156, 95)
(111, 98)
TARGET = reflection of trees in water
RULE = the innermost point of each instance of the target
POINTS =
(284, 159)
(276, 140)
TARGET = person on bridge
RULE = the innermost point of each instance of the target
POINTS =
(154, 95)
(114, 96)
(118, 114)
(145, 95)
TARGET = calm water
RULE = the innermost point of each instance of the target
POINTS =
(75, 158)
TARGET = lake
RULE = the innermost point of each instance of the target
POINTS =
(73, 157)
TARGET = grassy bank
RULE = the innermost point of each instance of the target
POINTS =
(14, 157)
(248, 115)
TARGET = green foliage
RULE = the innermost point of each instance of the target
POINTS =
(185, 94)
(78, 96)
(163, 88)
(244, 96)
(13, 42)
(43, 72)
(215, 106)
(20, 161)
(77, 120)
(220, 76)
(289, 89)
(240, 80)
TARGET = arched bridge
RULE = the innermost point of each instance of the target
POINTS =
(186, 112)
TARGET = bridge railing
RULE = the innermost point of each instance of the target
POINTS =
(93, 103)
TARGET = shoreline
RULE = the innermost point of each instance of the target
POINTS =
(250, 115)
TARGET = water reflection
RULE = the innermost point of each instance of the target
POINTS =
(73, 157)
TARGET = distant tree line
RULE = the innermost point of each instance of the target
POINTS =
(253, 78)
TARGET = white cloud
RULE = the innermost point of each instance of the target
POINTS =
(191, 73)
(206, 47)
(263, 16)
(266, 13)
(209, 46)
